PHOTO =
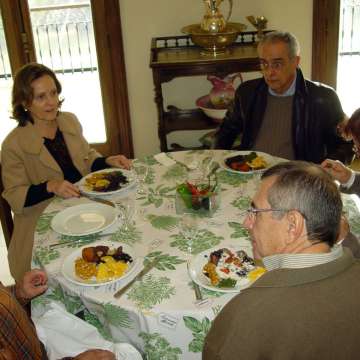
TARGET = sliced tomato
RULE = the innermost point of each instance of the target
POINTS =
(193, 189)
(204, 191)
(244, 167)
(240, 166)
(225, 270)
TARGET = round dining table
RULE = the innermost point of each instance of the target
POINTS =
(161, 313)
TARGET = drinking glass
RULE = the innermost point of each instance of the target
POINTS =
(191, 161)
(206, 166)
(141, 172)
(126, 207)
(188, 227)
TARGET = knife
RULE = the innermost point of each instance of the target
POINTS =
(143, 272)
(64, 243)
(99, 200)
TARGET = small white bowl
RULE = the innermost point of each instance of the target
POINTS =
(205, 105)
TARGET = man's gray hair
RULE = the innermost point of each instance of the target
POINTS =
(280, 36)
(309, 189)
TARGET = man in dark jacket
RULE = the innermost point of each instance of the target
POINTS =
(282, 113)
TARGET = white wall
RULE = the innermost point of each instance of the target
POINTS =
(143, 19)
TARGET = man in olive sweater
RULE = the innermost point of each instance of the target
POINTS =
(306, 306)
(283, 113)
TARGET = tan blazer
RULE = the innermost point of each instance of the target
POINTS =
(25, 161)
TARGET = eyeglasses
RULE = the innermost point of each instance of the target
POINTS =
(252, 211)
(273, 65)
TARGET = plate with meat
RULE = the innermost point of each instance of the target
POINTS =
(247, 162)
(224, 269)
(106, 182)
(100, 264)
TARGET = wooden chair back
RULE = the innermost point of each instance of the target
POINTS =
(7, 223)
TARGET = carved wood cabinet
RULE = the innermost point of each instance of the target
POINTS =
(176, 56)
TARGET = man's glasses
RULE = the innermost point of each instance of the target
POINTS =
(252, 211)
(273, 65)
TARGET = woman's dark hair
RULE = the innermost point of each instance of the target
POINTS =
(352, 128)
(22, 92)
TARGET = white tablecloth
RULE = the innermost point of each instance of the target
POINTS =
(159, 314)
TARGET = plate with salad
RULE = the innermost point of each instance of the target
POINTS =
(224, 269)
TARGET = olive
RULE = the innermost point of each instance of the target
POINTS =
(205, 203)
(195, 202)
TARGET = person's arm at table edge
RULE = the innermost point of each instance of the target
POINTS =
(338, 148)
(18, 336)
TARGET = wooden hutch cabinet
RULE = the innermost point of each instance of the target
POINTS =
(176, 56)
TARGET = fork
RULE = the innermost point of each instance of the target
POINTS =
(198, 294)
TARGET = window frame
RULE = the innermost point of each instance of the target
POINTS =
(325, 42)
(110, 52)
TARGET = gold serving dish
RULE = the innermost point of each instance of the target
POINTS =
(214, 43)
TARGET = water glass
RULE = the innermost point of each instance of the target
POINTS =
(188, 226)
(141, 172)
(126, 207)
(191, 161)
(206, 166)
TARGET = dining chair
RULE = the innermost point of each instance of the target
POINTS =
(7, 223)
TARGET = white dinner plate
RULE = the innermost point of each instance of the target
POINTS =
(84, 219)
(68, 267)
(196, 274)
(86, 190)
(268, 158)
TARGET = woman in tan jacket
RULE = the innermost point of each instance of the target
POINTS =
(42, 157)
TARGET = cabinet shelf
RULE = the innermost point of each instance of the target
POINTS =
(186, 119)
(177, 56)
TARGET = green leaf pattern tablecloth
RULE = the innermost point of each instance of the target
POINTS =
(159, 314)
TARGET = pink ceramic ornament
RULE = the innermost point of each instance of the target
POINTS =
(223, 90)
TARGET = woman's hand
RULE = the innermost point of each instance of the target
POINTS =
(344, 229)
(341, 127)
(120, 161)
(33, 284)
(337, 170)
(96, 354)
(62, 188)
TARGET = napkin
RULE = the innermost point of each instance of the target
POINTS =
(64, 334)
(163, 159)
